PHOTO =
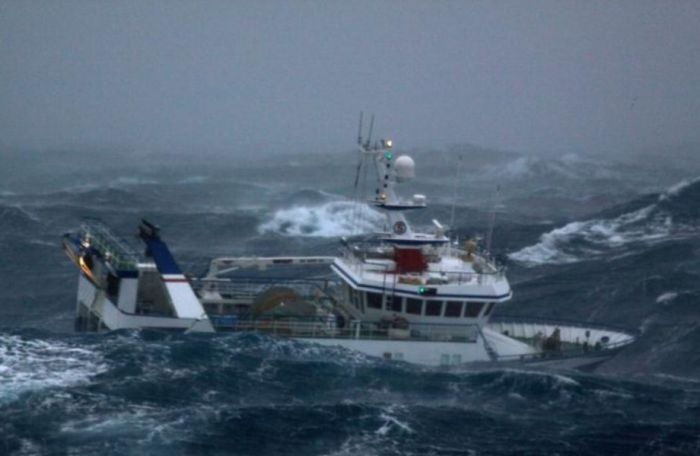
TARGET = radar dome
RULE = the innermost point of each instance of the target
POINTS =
(405, 168)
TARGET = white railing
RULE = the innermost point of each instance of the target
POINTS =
(577, 338)
(446, 277)
(328, 327)
(249, 288)
(115, 250)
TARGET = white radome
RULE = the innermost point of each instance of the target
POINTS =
(405, 168)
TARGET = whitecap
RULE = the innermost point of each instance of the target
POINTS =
(674, 190)
(582, 240)
(550, 247)
(193, 180)
(332, 219)
(667, 297)
(392, 422)
(559, 379)
(578, 241)
(30, 365)
(129, 181)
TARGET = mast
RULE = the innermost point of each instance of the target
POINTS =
(391, 170)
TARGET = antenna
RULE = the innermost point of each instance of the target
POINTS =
(454, 193)
(357, 172)
(359, 142)
(369, 135)
(492, 222)
(359, 131)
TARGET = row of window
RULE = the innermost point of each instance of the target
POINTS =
(413, 306)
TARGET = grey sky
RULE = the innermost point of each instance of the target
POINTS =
(234, 74)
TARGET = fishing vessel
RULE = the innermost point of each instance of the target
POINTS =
(399, 294)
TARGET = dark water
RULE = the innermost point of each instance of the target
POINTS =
(131, 393)
(606, 242)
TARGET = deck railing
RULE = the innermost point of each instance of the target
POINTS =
(567, 351)
(595, 338)
(329, 327)
(247, 288)
(505, 318)
(447, 277)
(116, 250)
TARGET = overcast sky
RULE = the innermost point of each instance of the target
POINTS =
(233, 74)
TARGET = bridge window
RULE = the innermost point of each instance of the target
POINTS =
(473, 309)
(444, 359)
(453, 309)
(211, 308)
(414, 306)
(394, 303)
(229, 308)
(433, 308)
(374, 300)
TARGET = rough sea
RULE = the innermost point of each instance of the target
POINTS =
(585, 238)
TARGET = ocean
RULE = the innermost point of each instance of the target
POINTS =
(585, 238)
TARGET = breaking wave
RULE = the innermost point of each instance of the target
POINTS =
(568, 167)
(331, 219)
(29, 364)
(674, 213)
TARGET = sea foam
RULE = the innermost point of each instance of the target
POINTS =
(331, 219)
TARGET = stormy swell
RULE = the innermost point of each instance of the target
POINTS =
(29, 364)
(15, 218)
(673, 214)
(151, 393)
(327, 219)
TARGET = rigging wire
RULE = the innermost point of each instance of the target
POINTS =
(492, 221)
(458, 172)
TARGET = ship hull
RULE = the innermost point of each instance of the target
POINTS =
(95, 312)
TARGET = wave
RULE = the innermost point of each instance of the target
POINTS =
(119, 182)
(667, 297)
(124, 183)
(308, 197)
(674, 213)
(568, 167)
(331, 219)
(151, 393)
(34, 364)
(193, 180)
(17, 219)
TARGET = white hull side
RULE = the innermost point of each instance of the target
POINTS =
(90, 297)
(416, 352)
